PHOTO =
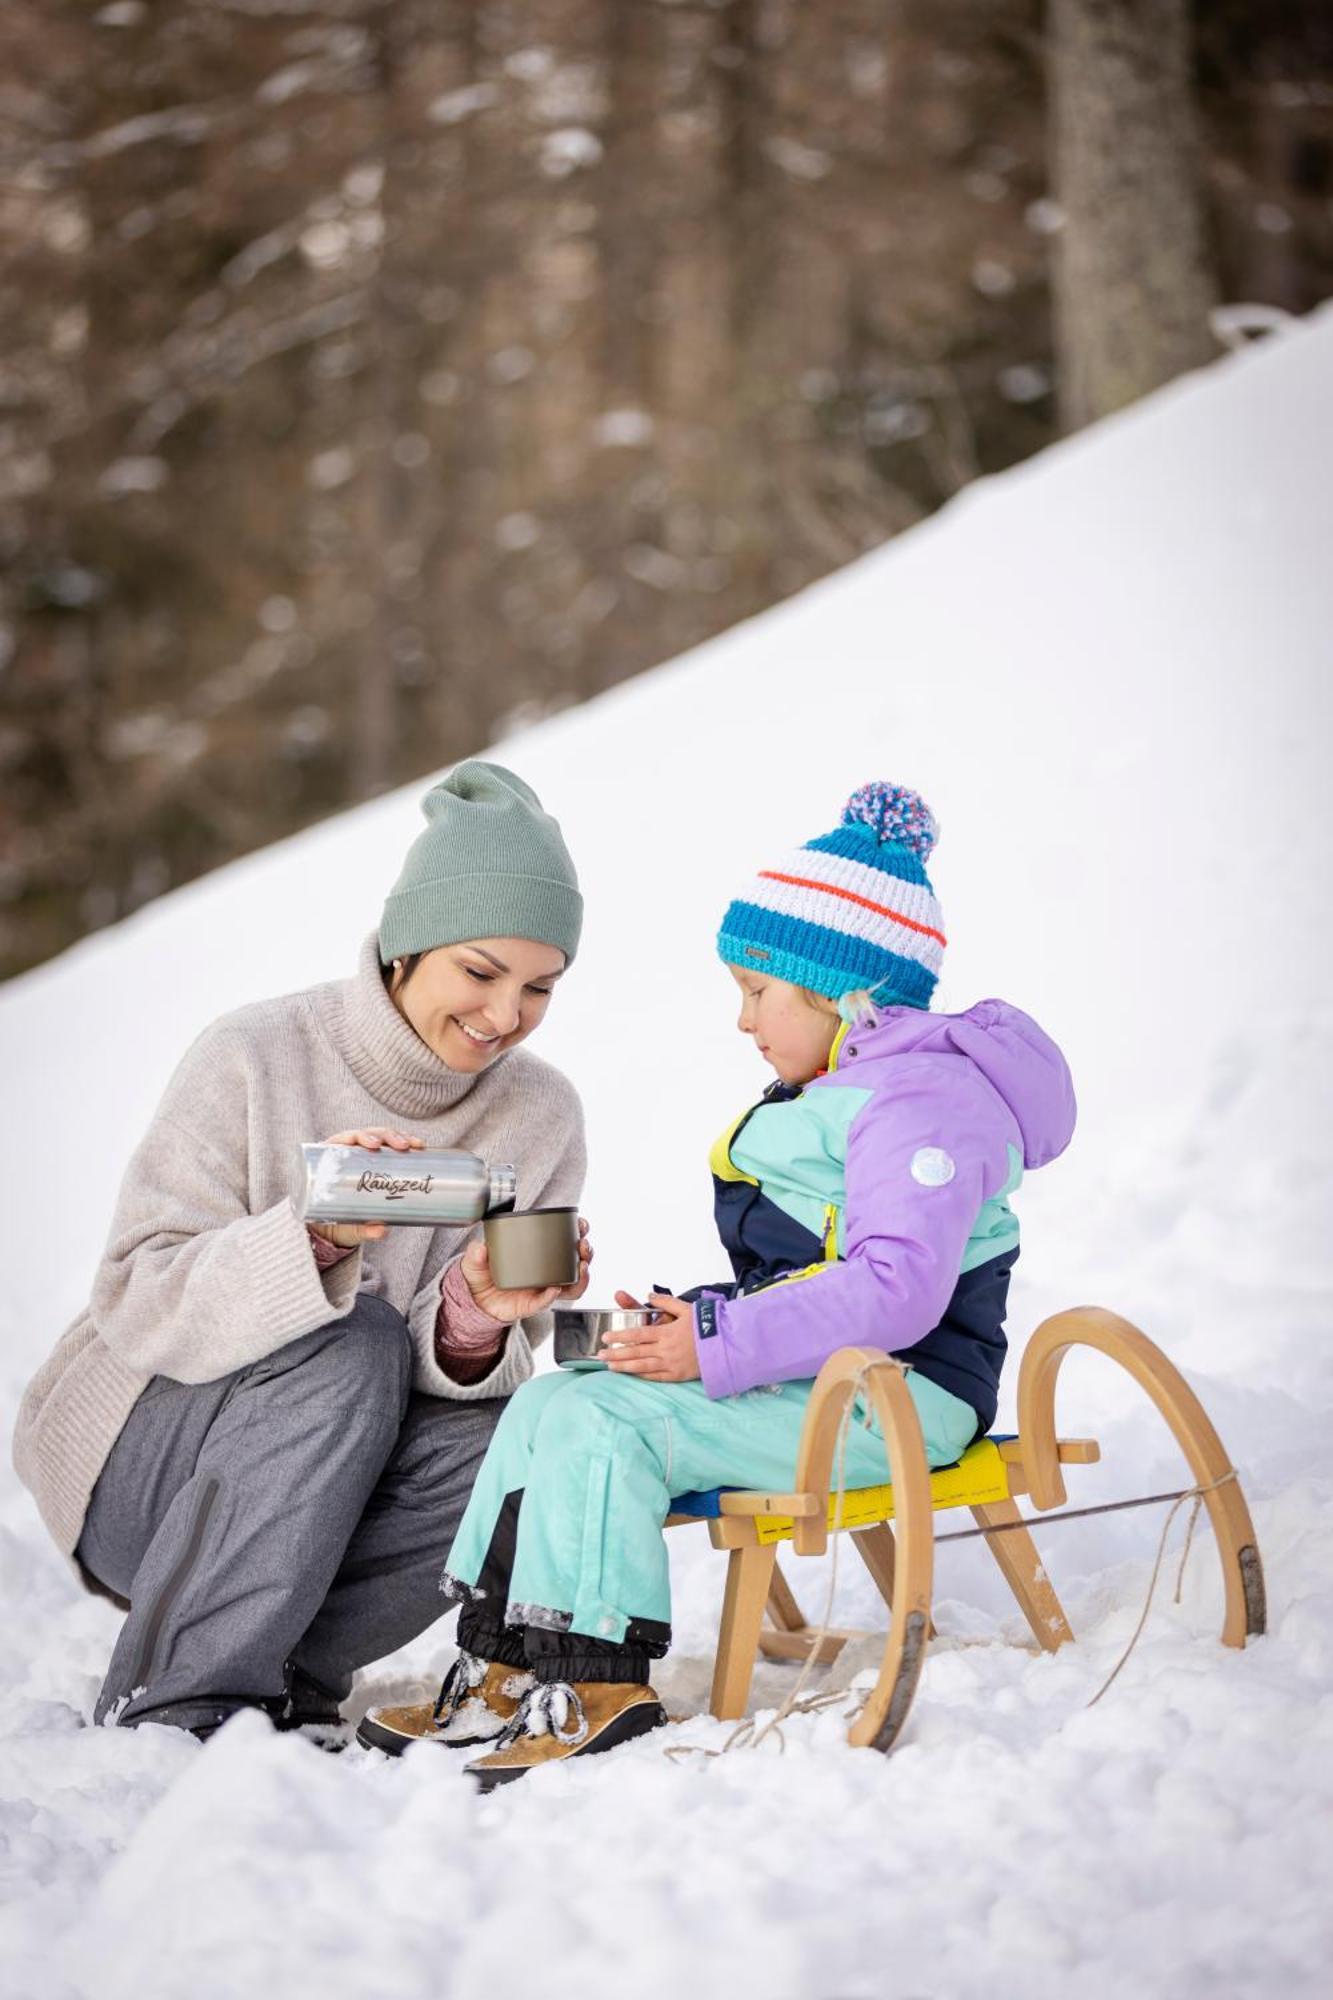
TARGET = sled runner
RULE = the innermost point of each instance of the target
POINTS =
(988, 1480)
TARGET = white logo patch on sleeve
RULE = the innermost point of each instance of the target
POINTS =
(932, 1166)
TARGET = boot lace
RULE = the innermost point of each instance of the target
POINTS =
(549, 1708)
(466, 1673)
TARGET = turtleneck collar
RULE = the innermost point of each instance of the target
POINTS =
(388, 1056)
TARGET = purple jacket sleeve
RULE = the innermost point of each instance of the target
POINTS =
(905, 1228)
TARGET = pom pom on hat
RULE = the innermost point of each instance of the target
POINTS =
(895, 814)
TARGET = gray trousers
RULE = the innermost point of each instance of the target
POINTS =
(286, 1522)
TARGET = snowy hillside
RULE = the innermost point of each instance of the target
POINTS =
(1109, 672)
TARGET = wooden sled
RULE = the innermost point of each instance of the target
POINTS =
(988, 1479)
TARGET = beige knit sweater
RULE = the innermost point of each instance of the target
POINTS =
(208, 1267)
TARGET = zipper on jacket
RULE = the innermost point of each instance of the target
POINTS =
(175, 1583)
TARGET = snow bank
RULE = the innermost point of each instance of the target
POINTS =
(1109, 673)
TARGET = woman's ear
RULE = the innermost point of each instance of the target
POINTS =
(401, 970)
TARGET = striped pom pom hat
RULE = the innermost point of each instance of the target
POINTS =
(851, 910)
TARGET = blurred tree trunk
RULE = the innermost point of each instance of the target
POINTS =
(379, 376)
(1132, 283)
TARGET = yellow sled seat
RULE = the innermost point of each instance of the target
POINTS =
(981, 1475)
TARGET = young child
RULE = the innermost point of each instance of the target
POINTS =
(863, 1201)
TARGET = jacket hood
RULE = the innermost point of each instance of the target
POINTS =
(1017, 1058)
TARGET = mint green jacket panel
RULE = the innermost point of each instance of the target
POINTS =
(797, 1151)
(996, 1227)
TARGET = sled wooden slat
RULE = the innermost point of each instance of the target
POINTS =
(786, 1505)
(990, 1470)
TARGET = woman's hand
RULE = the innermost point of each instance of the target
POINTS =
(662, 1353)
(509, 1306)
(347, 1235)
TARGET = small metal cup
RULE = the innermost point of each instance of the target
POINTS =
(579, 1331)
(533, 1248)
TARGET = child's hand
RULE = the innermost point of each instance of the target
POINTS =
(661, 1353)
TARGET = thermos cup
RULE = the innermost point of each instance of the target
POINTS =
(534, 1249)
(356, 1184)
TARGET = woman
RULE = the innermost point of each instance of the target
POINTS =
(260, 1437)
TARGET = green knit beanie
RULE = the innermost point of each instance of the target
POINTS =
(490, 863)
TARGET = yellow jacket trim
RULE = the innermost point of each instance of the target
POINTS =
(719, 1159)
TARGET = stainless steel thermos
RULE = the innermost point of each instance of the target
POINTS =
(354, 1184)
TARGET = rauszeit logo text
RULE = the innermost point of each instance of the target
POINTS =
(393, 1186)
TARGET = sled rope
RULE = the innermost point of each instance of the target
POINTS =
(746, 1736)
(1196, 1494)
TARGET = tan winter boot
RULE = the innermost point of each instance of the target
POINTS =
(559, 1719)
(477, 1702)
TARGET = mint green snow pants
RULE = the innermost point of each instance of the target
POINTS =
(560, 1558)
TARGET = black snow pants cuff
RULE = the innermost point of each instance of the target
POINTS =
(486, 1640)
(575, 1656)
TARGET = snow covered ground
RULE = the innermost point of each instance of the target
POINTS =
(1109, 672)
